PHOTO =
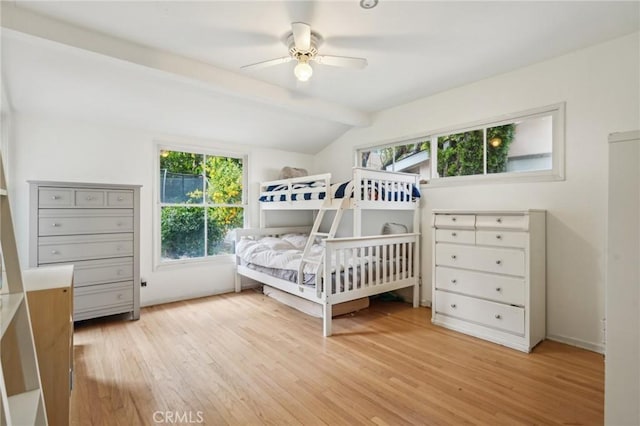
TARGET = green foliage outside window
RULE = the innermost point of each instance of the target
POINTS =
(392, 154)
(461, 154)
(182, 181)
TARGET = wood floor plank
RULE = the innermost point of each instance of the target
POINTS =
(245, 359)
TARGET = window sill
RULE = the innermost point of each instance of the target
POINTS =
(222, 259)
(523, 177)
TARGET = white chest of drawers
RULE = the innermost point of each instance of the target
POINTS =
(96, 228)
(489, 275)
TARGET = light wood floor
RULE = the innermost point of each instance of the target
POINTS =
(246, 359)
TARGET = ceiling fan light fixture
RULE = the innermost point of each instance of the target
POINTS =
(303, 70)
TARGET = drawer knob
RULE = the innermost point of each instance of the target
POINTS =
(453, 305)
(119, 296)
(120, 198)
(119, 224)
(54, 251)
(89, 198)
(498, 288)
(498, 316)
(498, 262)
(454, 257)
(498, 237)
(454, 281)
(453, 219)
(499, 220)
(453, 234)
(119, 272)
(55, 225)
(118, 248)
(55, 197)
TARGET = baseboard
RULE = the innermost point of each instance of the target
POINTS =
(578, 343)
(181, 298)
(425, 303)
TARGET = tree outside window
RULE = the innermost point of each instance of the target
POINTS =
(201, 199)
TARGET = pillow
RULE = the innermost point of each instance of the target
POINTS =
(298, 241)
(276, 243)
(394, 228)
(390, 228)
(292, 172)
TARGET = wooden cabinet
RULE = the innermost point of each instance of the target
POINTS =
(489, 275)
(95, 227)
(50, 297)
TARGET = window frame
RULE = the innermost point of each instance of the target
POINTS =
(158, 263)
(556, 173)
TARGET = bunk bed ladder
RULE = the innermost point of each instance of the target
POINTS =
(317, 262)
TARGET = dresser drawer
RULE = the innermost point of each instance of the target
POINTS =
(55, 197)
(502, 238)
(120, 198)
(454, 221)
(84, 221)
(103, 296)
(102, 271)
(84, 247)
(496, 315)
(461, 236)
(89, 198)
(498, 260)
(503, 221)
(499, 288)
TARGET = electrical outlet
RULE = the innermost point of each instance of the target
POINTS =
(143, 283)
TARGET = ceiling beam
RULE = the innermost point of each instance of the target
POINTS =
(205, 75)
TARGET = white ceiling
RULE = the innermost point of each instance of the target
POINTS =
(174, 67)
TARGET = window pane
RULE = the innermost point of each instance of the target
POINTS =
(413, 158)
(461, 154)
(221, 221)
(181, 177)
(224, 180)
(523, 146)
(377, 159)
(182, 232)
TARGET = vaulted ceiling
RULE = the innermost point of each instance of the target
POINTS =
(174, 66)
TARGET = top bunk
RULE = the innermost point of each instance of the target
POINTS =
(368, 189)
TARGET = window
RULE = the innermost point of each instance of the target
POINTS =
(528, 145)
(408, 157)
(201, 201)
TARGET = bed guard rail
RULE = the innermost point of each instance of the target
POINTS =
(364, 266)
(289, 187)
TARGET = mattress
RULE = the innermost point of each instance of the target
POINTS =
(338, 190)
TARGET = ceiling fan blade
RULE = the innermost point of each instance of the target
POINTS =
(341, 61)
(269, 63)
(301, 36)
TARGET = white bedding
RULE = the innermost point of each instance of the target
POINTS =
(281, 253)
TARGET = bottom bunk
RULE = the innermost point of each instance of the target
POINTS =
(342, 269)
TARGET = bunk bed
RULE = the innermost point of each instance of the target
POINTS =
(317, 266)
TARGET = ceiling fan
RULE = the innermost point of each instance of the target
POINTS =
(303, 48)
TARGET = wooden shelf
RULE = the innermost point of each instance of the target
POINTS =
(9, 305)
(25, 407)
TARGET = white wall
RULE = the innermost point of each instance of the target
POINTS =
(47, 148)
(600, 86)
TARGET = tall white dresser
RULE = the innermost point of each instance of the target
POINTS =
(489, 275)
(95, 227)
